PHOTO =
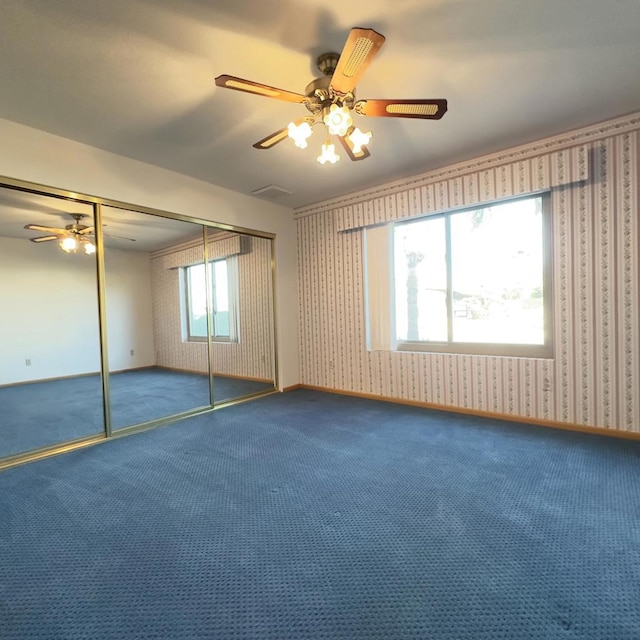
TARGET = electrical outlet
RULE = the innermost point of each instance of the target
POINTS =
(27, 362)
(131, 352)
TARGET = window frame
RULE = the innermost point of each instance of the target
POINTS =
(545, 350)
(186, 301)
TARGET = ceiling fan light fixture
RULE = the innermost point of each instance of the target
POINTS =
(328, 154)
(299, 133)
(68, 244)
(338, 119)
(359, 139)
(331, 99)
(75, 243)
(74, 238)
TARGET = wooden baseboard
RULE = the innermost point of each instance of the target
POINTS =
(70, 377)
(293, 387)
(74, 375)
(147, 366)
(250, 378)
(215, 373)
(552, 424)
(150, 366)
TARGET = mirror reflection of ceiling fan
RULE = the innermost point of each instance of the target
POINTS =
(74, 237)
(331, 100)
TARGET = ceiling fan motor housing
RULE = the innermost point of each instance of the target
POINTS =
(321, 95)
(76, 227)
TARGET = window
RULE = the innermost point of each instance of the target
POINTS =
(224, 300)
(473, 281)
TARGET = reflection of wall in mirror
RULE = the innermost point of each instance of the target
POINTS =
(49, 312)
(249, 357)
(129, 315)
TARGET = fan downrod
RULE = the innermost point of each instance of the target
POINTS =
(327, 63)
(77, 226)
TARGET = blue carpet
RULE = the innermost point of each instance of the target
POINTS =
(309, 515)
(48, 413)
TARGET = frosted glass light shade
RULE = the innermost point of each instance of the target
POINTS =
(338, 120)
(299, 133)
(359, 139)
(68, 245)
(328, 154)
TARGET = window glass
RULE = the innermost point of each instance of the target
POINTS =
(220, 298)
(196, 300)
(474, 277)
(421, 280)
(497, 274)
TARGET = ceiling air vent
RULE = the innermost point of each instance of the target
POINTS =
(270, 192)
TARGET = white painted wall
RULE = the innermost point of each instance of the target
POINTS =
(49, 312)
(29, 154)
(129, 309)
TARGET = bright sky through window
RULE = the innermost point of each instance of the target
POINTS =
(472, 277)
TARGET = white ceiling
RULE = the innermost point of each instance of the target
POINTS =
(135, 77)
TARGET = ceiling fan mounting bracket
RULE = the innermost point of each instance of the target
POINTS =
(327, 63)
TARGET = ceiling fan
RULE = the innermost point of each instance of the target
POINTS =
(73, 237)
(331, 100)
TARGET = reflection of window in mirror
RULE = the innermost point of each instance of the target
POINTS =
(223, 279)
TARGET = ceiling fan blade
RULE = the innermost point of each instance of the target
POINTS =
(425, 109)
(280, 135)
(43, 238)
(39, 227)
(348, 147)
(272, 140)
(85, 231)
(359, 50)
(239, 84)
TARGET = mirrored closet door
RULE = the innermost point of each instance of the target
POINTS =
(114, 319)
(241, 298)
(156, 297)
(50, 382)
